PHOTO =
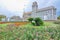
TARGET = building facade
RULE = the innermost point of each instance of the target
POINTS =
(15, 18)
(47, 13)
(26, 15)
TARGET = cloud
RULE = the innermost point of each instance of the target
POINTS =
(14, 5)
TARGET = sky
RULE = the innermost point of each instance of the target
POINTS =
(17, 7)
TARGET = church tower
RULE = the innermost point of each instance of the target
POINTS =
(34, 6)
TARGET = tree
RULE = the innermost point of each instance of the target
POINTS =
(30, 19)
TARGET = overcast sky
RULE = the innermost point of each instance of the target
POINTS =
(16, 7)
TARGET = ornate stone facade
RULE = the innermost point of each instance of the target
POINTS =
(47, 13)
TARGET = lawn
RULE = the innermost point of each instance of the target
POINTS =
(49, 31)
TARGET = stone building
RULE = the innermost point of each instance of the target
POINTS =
(15, 18)
(47, 13)
(26, 15)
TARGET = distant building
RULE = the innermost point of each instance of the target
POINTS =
(47, 13)
(26, 15)
(15, 18)
(3, 18)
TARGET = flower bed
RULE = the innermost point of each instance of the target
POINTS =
(15, 23)
(20, 23)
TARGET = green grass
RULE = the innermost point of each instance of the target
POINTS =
(30, 32)
(3, 25)
(50, 24)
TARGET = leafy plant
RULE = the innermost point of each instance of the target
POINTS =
(58, 17)
(57, 22)
(33, 23)
(30, 19)
(38, 21)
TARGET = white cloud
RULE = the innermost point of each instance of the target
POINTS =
(14, 5)
(51, 2)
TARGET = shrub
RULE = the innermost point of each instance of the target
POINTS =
(57, 22)
(33, 22)
(58, 17)
(38, 21)
(30, 19)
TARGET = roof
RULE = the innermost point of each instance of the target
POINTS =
(46, 8)
(27, 12)
(42, 9)
(16, 17)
